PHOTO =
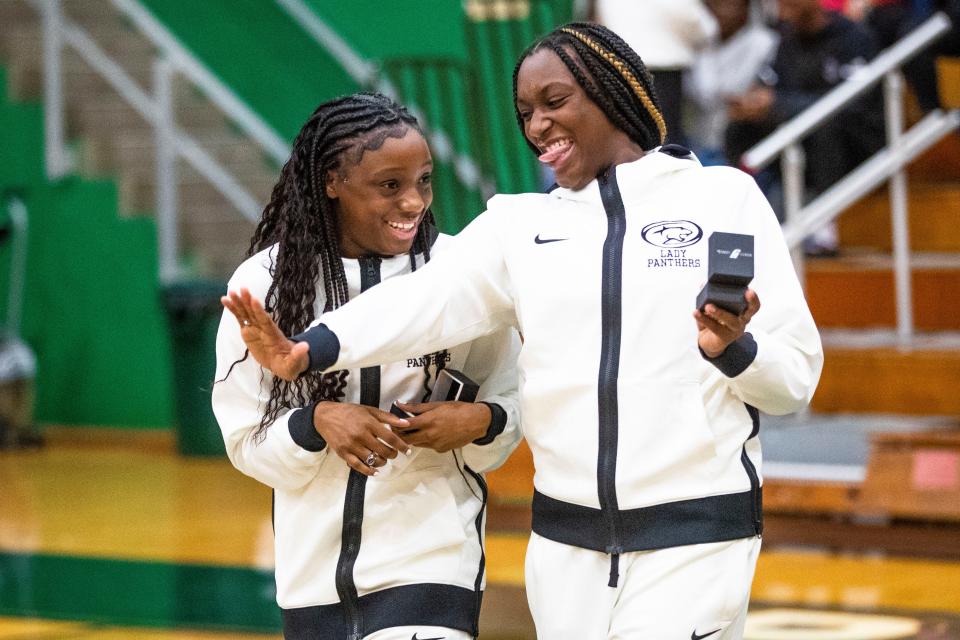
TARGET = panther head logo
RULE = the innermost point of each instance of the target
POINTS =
(672, 234)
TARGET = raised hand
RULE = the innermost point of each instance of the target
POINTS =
(264, 340)
(443, 426)
(718, 328)
(362, 436)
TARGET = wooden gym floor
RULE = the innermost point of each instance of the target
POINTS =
(101, 538)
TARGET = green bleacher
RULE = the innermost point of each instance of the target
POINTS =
(92, 309)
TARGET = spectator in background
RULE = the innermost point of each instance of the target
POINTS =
(725, 69)
(921, 72)
(818, 50)
(887, 19)
(891, 20)
(667, 34)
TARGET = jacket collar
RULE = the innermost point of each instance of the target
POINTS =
(635, 177)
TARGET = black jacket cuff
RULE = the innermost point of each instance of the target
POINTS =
(738, 355)
(302, 430)
(498, 422)
(324, 346)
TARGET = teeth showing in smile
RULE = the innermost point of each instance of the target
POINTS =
(557, 145)
(401, 226)
(555, 150)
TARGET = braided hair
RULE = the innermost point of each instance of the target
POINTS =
(301, 220)
(612, 75)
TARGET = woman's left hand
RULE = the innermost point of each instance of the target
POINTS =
(718, 327)
(443, 426)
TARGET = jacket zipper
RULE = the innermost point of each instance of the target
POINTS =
(478, 478)
(356, 487)
(752, 472)
(608, 405)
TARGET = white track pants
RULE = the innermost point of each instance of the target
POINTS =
(421, 633)
(696, 591)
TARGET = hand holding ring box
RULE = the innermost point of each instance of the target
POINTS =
(729, 271)
(451, 385)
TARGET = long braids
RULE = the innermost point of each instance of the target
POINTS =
(612, 75)
(302, 221)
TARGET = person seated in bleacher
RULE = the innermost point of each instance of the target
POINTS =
(819, 50)
(725, 69)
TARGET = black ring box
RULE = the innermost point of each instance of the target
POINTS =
(729, 271)
(451, 385)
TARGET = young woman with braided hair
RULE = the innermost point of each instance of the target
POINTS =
(642, 420)
(378, 521)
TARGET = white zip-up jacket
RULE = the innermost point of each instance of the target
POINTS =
(639, 441)
(355, 555)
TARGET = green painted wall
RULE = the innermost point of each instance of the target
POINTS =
(92, 310)
(256, 49)
(93, 313)
(400, 28)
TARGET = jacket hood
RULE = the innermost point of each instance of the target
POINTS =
(634, 177)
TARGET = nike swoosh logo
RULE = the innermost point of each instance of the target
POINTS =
(540, 240)
(695, 636)
(416, 638)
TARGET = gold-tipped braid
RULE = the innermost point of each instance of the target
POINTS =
(631, 79)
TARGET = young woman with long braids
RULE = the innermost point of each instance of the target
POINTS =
(642, 421)
(378, 521)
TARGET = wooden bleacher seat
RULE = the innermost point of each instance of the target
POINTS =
(913, 475)
(805, 497)
(948, 76)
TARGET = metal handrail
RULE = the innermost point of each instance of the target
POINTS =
(158, 110)
(367, 74)
(801, 219)
(870, 175)
(218, 93)
(762, 154)
(363, 72)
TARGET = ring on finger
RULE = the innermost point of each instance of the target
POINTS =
(371, 459)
